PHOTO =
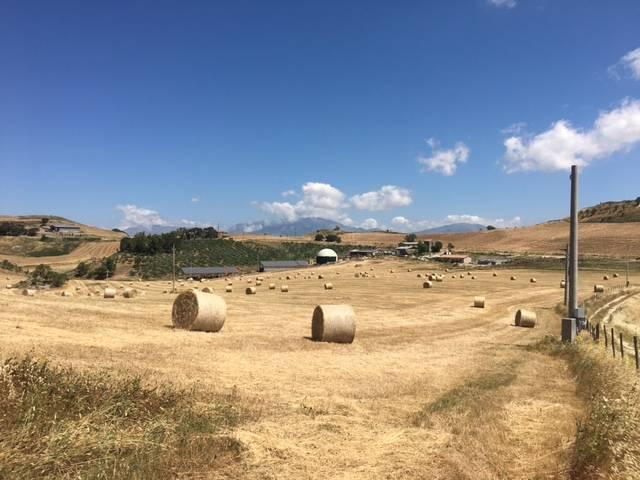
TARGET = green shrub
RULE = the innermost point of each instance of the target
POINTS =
(44, 275)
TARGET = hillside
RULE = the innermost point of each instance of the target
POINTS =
(612, 212)
(36, 220)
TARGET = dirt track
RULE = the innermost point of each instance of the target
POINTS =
(344, 411)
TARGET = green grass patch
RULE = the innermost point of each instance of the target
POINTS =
(61, 423)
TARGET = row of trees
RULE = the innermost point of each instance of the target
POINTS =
(16, 229)
(144, 244)
(102, 271)
(329, 237)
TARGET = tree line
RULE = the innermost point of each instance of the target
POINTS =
(152, 244)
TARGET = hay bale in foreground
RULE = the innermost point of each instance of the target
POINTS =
(328, 286)
(478, 302)
(427, 284)
(207, 290)
(284, 288)
(250, 290)
(598, 289)
(109, 293)
(66, 293)
(333, 323)
(194, 310)
(8, 286)
(526, 318)
(28, 292)
(129, 293)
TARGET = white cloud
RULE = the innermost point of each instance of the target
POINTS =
(629, 64)
(318, 200)
(139, 217)
(289, 193)
(369, 223)
(400, 220)
(563, 145)
(502, 3)
(444, 161)
(195, 199)
(387, 197)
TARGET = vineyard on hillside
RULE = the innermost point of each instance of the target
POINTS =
(221, 252)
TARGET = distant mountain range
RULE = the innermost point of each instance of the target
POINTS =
(454, 228)
(303, 226)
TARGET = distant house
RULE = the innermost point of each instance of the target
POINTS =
(406, 250)
(361, 253)
(208, 272)
(458, 259)
(274, 266)
(64, 228)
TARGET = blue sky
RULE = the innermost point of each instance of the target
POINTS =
(403, 114)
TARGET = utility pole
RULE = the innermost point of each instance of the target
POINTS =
(627, 283)
(573, 246)
(566, 276)
(173, 263)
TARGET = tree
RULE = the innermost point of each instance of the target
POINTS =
(319, 237)
(422, 248)
(44, 221)
(450, 246)
(44, 275)
(490, 227)
(32, 232)
(82, 269)
(411, 237)
(332, 237)
(436, 247)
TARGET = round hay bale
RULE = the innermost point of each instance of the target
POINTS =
(453, 276)
(207, 290)
(250, 290)
(563, 284)
(391, 271)
(526, 318)
(439, 278)
(28, 292)
(284, 288)
(258, 283)
(272, 286)
(228, 289)
(606, 277)
(193, 310)
(356, 275)
(129, 293)
(78, 289)
(328, 286)
(109, 293)
(461, 276)
(419, 275)
(431, 277)
(408, 270)
(478, 302)
(260, 279)
(513, 277)
(249, 281)
(8, 286)
(333, 323)
(615, 275)
(320, 277)
(473, 277)
(288, 277)
(495, 274)
(165, 291)
(66, 293)
(468, 273)
(427, 284)
(89, 294)
(446, 270)
(189, 279)
(533, 280)
(598, 289)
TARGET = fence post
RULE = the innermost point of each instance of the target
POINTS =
(606, 338)
(613, 343)
(598, 333)
(635, 347)
(621, 347)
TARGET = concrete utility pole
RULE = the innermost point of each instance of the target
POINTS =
(566, 276)
(173, 264)
(573, 246)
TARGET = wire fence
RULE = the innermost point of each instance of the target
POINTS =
(615, 343)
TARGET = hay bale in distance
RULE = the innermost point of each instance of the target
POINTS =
(495, 274)
(207, 290)
(533, 280)
(427, 284)
(598, 289)
(473, 277)
(228, 289)
(272, 286)
(526, 318)
(284, 288)
(328, 286)
(66, 293)
(320, 277)
(478, 302)
(194, 310)
(333, 323)
(258, 283)
(606, 277)
(513, 277)
(109, 293)
(563, 284)
(250, 290)
(28, 292)
(129, 293)
(615, 275)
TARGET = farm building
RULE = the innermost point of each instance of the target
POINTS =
(360, 253)
(458, 259)
(326, 255)
(208, 272)
(274, 266)
(64, 228)
(405, 250)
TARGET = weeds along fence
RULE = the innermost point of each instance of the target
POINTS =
(619, 343)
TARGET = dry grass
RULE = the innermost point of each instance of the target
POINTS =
(334, 410)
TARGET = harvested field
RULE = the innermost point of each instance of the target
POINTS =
(431, 387)
(86, 251)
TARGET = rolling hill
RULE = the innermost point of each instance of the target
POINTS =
(624, 211)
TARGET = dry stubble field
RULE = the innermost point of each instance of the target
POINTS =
(431, 387)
